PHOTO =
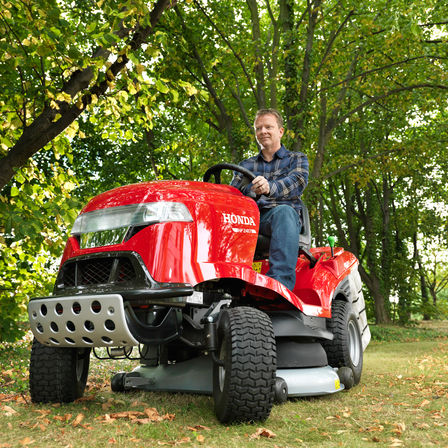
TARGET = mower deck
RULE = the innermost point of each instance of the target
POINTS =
(195, 376)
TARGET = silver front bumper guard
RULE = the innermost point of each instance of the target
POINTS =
(96, 320)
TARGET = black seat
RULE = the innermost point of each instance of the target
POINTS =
(263, 242)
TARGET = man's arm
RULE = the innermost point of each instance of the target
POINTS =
(295, 180)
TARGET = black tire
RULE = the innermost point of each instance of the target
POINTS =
(58, 374)
(346, 377)
(243, 387)
(345, 350)
(280, 391)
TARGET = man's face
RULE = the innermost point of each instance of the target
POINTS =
(267, 132)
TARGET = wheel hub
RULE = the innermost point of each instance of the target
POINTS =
(354, 343)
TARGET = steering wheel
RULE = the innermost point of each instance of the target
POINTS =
(215, 171)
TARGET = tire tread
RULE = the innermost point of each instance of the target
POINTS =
(250, 393)
(53, 374)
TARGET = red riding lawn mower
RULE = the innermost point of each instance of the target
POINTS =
(172, 273)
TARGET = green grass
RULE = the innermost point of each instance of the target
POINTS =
(401, 401)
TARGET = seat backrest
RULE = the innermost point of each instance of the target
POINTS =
(305, 231)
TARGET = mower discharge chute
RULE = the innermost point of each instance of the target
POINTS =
(175, 272)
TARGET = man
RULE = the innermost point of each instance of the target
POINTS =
(281, 177)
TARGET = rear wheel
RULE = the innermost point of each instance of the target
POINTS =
(57, 374)
(243, 386)
(345, 350)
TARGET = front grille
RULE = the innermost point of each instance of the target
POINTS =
(96, 271)
(125, 272)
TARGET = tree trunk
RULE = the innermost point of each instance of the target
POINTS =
(433, 293)
(372, 278)
(386, 240)
(374, 284)
(256, 37)
(421, 272)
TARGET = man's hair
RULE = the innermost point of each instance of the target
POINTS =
(274, 112)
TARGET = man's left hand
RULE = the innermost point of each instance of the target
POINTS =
(260, 185)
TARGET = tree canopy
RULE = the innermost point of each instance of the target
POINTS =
(111, 92)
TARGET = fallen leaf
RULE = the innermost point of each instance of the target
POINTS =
(424, 403)
(152, 413)
(26, 441)
(378, 428)
(421, 425)
(399, 428)
(143, 421)
(263, 432)
(200, 438)
(62, 418)
(9, 410)
(198, 428)
(127, 414)
(148, 416)
(79, 418)
(106, 418)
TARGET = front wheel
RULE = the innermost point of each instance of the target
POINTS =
(57, 374)
(243, 383)
(345, 350)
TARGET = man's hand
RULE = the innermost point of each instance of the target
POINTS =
(260, 185)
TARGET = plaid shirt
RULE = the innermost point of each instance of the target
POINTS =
(287, 174)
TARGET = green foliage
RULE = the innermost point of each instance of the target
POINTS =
(33, 229)
(397, 333)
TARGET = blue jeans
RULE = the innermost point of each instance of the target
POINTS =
(282, 224)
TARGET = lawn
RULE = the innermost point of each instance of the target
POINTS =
(402, 401)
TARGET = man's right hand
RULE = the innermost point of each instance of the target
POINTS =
(260, 186)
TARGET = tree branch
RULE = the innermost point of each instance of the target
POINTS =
(224, 38)
(44, 128)
(384, 67)
(387, 94)
(331, 41)
(359, 163)
(256, 38)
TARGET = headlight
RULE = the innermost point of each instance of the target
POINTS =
(101, 222)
